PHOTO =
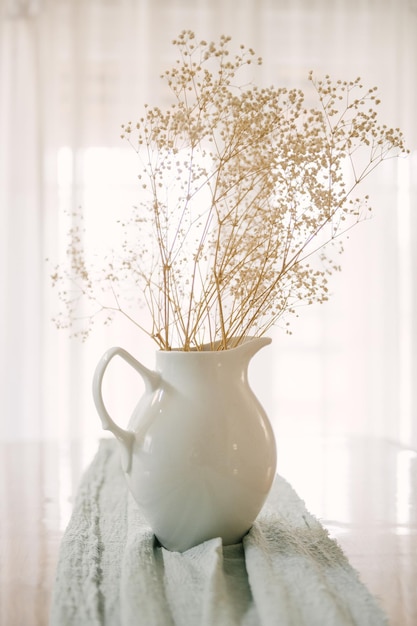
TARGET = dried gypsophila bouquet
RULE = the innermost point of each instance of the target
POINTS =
(243, 189)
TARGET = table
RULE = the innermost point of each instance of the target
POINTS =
(364, 491)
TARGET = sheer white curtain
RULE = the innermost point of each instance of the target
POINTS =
(72, 71)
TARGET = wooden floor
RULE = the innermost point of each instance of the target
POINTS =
(363, 491)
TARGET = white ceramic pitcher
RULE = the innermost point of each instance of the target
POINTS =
(199, 452)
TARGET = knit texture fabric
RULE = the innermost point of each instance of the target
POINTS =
(285, 572)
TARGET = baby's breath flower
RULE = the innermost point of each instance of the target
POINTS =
(246, 196)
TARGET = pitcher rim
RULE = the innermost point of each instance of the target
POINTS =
(210, 348)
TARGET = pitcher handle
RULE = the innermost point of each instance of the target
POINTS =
(151, 380)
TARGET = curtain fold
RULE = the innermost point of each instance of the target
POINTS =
(71, 72)
(21, 225)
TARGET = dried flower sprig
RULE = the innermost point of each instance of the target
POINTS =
(243, 189)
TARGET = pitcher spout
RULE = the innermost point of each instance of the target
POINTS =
(248, 346)
(254, 344)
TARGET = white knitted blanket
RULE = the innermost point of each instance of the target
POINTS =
(286, 571)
